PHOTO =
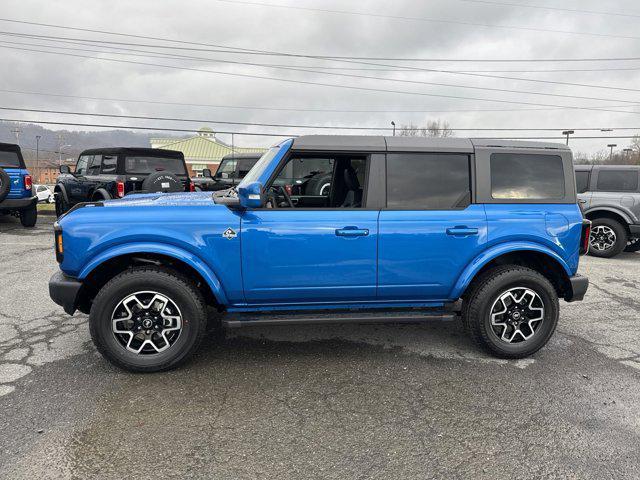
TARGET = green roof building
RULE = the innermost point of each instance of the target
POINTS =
(202, 151)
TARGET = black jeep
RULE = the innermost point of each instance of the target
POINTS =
(106, 173)
(231, 170)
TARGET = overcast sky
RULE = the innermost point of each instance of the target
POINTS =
(456, 32)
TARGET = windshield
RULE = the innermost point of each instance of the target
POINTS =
(9, 159)
(259, 167)
(228, 165)
(145, 165)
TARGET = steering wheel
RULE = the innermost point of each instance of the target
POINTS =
(273, 198)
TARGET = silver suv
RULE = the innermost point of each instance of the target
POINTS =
(610, 198)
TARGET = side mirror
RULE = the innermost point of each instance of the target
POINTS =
(251, 195)
(65, 169)
(206, 172)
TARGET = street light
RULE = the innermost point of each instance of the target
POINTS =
(567, 133)
(611, 146)
(394, 128)
(38, 155)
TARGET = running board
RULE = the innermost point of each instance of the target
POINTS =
(326, 317)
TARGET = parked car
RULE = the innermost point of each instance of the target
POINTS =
(410, 229)
(44, 194)
(107, 173)
(16, 189)
(231, 170)
(610, 197)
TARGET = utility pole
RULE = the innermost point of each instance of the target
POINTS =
(611, 146)
(16, 131)
(394, 128)
(567, 133)
(38, 155)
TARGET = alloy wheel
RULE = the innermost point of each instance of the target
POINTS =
(602, 237)
(516, 315)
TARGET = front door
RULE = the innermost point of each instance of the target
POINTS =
(430, 230)
(312, 247)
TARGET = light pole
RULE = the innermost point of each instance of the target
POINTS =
(627, 151)
(567, 133)
(394, 128)
(611, 146)
(38, 155)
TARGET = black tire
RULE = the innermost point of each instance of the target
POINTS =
(101, 195)
(162, 182)
(167, 282)
(485, 292)
(633, 245)
(5, 184)
(318, 183)
(62, 206)
(620, 238)
(29, 216)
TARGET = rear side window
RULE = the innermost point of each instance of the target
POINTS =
(148, 165)
(618, 180)
(519, 176)
(582, 181)
(425, 181)
(109, 164)
(9, 159)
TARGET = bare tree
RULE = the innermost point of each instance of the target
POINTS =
(434, 128)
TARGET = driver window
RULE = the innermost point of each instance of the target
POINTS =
(81, 166)
(319, 182)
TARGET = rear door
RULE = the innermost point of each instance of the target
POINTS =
(618, 188)
(429, 230)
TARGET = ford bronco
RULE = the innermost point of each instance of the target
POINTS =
(409, 229)
(16, 189)
(106, 173)
(610, 197)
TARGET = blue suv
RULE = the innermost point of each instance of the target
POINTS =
(16, 189)
(407, 229)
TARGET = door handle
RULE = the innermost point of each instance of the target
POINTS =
(462, 231)
(352, 232)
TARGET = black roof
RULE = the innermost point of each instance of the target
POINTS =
(151, 152)
(10, 147)
(243, 156)
(364, 143)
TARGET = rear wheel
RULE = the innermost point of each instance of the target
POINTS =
(148, 319)
(608, 238)
(511, 311)
(29, 216)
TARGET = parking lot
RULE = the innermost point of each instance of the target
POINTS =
(409, 401)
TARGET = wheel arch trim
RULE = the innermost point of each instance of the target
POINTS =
(177, 253)
(619, 212)
(480, 261)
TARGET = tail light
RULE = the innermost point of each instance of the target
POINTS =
(192, 187)
(584, 239)
(120, 186)
(28, 182)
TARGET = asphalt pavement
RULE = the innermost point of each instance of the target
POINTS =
(330, 402)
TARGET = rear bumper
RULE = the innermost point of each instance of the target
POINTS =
(18, 203)
(579, 286)
(64, 290)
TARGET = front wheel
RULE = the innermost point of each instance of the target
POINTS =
(61, 204)
(148, 319)
(511, 311)
(29, 216)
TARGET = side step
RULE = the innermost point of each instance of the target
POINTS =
(323, 317)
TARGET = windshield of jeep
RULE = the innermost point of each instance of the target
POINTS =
(148, 165)
(9, 159)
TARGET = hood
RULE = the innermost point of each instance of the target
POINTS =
(186, 199)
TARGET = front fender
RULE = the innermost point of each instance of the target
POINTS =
(485, 257)
(163, 249)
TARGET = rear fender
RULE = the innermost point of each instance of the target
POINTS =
(162, 249)
(496, 251)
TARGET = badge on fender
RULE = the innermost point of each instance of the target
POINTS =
(229, 234)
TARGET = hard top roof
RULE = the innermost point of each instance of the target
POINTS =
(243, 156)
(150, 152)
(363, 143)
(10, 147)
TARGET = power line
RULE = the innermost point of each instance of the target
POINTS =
(315, 69)
(430, 20)
(248, 51)
(304, 126)
(541, 7)
(132, 127)
(393, 109)
(348, 87)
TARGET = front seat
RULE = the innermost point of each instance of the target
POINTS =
(353, 198)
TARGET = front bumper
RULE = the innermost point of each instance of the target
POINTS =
(64, 291)
(579, 286)
(18, 203)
